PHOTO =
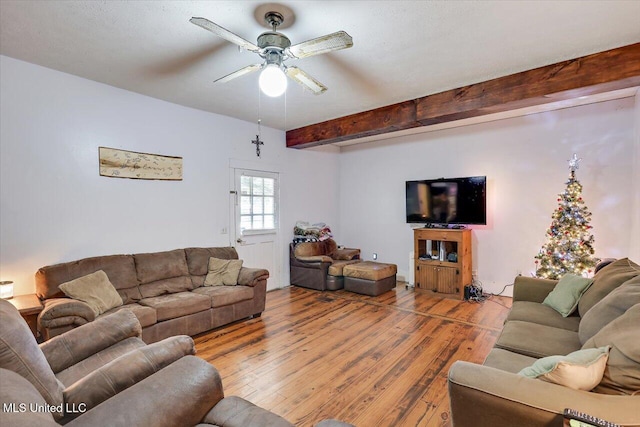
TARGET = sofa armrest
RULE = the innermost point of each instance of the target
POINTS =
(532, 288)
(127, 370)
(59, 312)
(236, 412)
(251, 276)
(179, 395)
(346, 254)
(70, 348)
(484, 396)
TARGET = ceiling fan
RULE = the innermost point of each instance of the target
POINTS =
(275, 48)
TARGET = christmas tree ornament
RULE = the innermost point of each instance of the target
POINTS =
(569, 247)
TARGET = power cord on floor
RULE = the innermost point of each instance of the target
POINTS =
(503, 289)
(498, 294)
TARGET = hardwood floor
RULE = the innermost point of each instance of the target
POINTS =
(369, 361)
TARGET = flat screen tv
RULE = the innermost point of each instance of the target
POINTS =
(447, 201)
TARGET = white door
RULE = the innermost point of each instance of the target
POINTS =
(255, 228)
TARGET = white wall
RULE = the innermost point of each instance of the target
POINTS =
(54, 206)
(525, 161)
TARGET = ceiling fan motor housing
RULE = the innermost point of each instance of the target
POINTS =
(272, 39)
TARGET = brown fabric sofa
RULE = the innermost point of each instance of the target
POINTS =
(103, 374)
(163, 289)
(318, 265)
(608, 313)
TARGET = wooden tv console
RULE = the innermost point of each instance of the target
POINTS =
(447, 274)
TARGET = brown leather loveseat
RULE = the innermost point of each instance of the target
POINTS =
(318, 265)
(163, 289)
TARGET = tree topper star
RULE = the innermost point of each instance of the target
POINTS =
(574, 163)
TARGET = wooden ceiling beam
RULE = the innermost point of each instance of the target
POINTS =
(597, 73)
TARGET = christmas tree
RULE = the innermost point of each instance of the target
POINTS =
(569, 248)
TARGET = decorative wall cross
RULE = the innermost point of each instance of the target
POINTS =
(258, 144)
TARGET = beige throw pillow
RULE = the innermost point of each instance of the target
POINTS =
(223, 272)
(580, 370)
(95, 289)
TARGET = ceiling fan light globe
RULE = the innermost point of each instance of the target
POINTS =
(272, 81)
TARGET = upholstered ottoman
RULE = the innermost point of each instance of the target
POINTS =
(369, 278)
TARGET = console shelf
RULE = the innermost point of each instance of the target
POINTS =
(442, 260)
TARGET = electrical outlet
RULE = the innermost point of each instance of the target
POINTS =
(474, 273)
(223, 230)
(375, 256)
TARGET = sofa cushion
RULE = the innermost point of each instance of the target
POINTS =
(606, 280)
(177, 305)
(198, 258)
(336, 267)
(580, 370)
(145, 315)
(537, 341)
(20, 353)
(222, 272)
(609, 308)
(120, 269)
(95, 289)
(369, 270)
(622, 375)
(565, 295)
(508, 361)
(226, 295)
(152, 267)
(535, 312)
(166, 286)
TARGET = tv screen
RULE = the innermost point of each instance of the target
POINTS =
(447, 201)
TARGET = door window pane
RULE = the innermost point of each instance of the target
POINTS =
(258, 185)
(257, 204)
(269, 207)
(245, 222)
(245, 185)
(245, 205)
(269, 185)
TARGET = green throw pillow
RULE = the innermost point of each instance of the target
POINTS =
(565, 296)
(580, 370)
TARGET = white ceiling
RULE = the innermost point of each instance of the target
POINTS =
(402, 49)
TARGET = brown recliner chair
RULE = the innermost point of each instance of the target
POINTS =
(318, 265)
(103, 374)
(85, 366)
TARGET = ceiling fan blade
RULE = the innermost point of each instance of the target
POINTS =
(224, 33)
(306, 80)
(241, 72)
(324, 44)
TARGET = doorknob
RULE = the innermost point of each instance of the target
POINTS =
(239, 240)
